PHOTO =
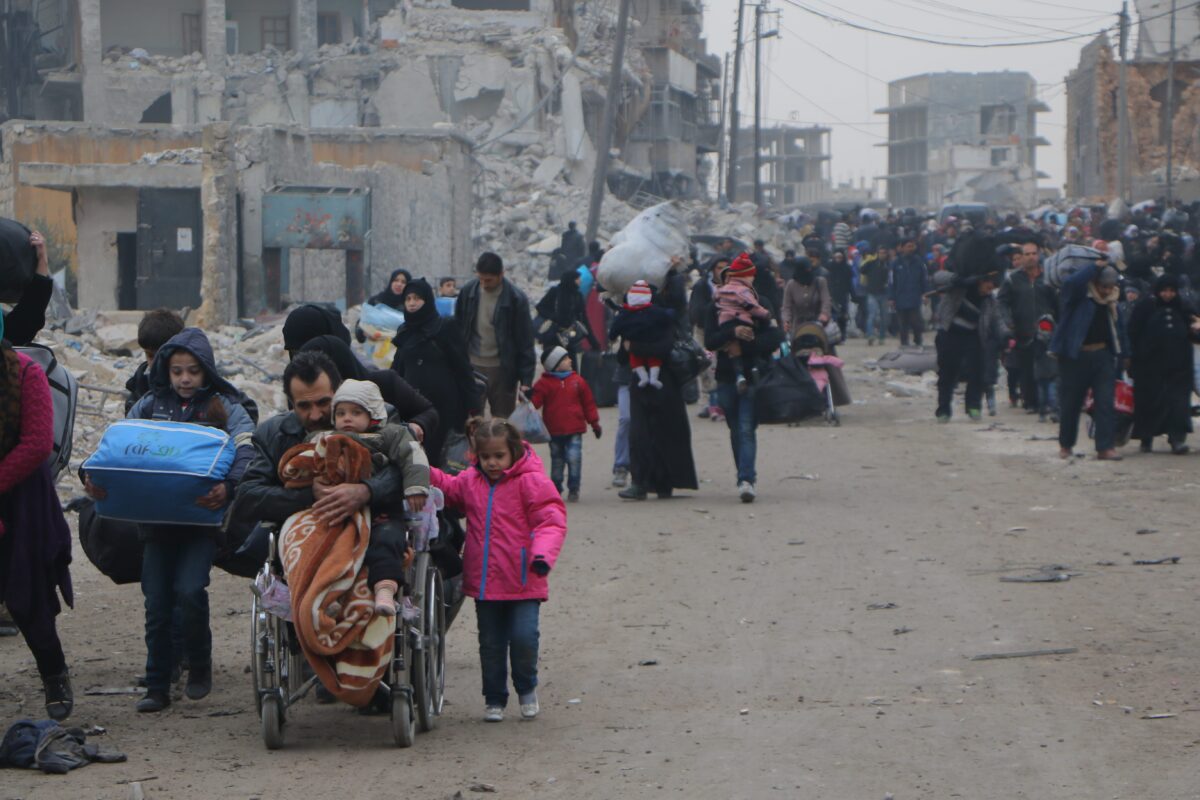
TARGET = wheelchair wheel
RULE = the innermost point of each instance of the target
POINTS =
(428, 675)
(256, 655)
(272, 722)
(404, 726)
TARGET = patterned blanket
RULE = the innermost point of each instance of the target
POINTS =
(324, 567)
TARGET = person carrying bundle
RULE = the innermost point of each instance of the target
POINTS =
(185, 386)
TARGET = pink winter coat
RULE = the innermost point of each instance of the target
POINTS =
(509, 522)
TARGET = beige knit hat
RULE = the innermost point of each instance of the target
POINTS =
(363, 394)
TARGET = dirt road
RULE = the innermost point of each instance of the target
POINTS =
(772, 674)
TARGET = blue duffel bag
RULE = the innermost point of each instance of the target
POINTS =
(153, 472)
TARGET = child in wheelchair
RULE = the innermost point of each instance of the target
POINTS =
(359, 411)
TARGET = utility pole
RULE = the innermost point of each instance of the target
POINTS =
(758, 197)
(721, 135)
(1171, 112)
(600, 176)
(1123, 137)
(731, 179)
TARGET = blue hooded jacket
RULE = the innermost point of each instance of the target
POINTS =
(162, 403)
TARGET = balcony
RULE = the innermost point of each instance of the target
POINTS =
(708, 137)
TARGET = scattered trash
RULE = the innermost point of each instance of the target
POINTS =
(1106, 563)
(649, 662)
(794, 542)
(1057, 651)
(1145, 531)
(574, 701)
(482, 788)
(1018, 529)
(744, 712)
(1159, 716)
(881, 606)
(807, 476)
(901, 631)
(1150, 562)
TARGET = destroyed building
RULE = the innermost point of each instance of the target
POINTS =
(794, 163)
(432, 119)
(1093, 106)
(963, 137)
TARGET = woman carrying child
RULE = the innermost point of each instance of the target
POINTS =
(176, 560)
(516, 523)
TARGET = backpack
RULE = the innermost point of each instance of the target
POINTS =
(64, 394)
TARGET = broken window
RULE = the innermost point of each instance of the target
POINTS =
(1159, 94)
(193, 40)
(997, 120)
(329, 28)
(277, 33)
(158, 112)
(999, 156)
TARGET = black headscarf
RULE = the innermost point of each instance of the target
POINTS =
(309, 321)
(1167, 280)
(348, 365)
(387, 297)
(426, 317)
(802, 271)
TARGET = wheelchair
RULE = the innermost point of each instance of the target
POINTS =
(415, 680)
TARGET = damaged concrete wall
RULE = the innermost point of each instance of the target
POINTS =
(1093, 124)
(100, 214)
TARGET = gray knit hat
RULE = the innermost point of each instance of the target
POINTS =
(551, 357)
(363, 394)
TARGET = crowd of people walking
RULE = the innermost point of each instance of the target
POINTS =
(1117, 310)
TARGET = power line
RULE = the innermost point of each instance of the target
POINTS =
(939, 42)
(962, 111)
(959, 11)
(821, 108)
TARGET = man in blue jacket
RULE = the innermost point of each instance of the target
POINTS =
(906, 294)
(1089, 342)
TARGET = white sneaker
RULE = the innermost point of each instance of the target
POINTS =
(493, 714)
(620, 478)
(529, 706)
(746, 491)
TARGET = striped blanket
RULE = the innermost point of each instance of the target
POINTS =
(324, 567)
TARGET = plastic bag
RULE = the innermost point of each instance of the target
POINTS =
(379, 325)
(643, 249)
(529, 422)
(456, 453)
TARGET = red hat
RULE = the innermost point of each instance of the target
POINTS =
(742, 267)
(638, 295)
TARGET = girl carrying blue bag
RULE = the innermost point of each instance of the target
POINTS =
(177, 559)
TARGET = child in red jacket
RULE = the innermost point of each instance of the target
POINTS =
(569, 410)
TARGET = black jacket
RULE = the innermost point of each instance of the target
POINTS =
(137, 385)
(514, 328)
(1023, 302)
(261, 496)
(717, 336)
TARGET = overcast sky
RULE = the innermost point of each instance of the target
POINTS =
(801, 83)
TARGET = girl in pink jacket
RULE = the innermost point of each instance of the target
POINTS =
(516, 523)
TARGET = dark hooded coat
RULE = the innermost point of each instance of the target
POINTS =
(432, 357)
(1161, 338)
(162, 403)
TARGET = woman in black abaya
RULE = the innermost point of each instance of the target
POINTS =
(660, 437)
